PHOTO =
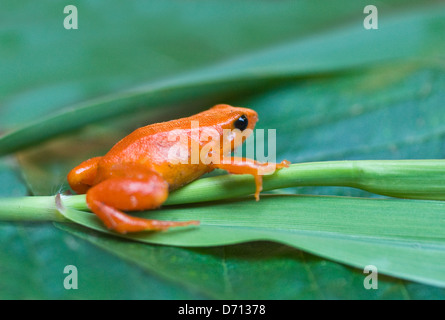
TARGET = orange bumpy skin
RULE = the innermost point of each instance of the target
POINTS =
(141, 169)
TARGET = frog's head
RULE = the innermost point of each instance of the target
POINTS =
(235, 117)
(238, 123)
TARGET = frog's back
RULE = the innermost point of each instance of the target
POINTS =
(154, 145)
(153, 142)
(151, 147)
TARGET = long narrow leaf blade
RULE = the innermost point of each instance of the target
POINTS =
(410, 179)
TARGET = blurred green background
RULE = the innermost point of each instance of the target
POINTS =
(332, 89)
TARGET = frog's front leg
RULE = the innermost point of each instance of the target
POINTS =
(237, 165)
(130, 189)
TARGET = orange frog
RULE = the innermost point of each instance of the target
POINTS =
(141, 169)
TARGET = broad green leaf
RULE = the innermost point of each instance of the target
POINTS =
(11, 184)
(414, 242)
(390, 113)
(295, 58)
(118, 46)
(33, 258)
(395, 95)
(384, 113)
(230, 272)
(404, 143)
(403, 238)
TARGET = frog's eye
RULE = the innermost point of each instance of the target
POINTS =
(241, 123)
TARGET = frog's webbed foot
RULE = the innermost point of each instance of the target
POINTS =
(130, 192)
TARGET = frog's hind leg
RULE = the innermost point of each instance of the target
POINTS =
(130, 189)
(81, 178)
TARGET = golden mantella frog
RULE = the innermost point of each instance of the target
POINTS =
(139, 171)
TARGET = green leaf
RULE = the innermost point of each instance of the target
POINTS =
(390, 111)
(402, 238)
(230, 272)
(409, 179)
(11, 183)
(295, 58)
(395, 102)
(33, 258)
